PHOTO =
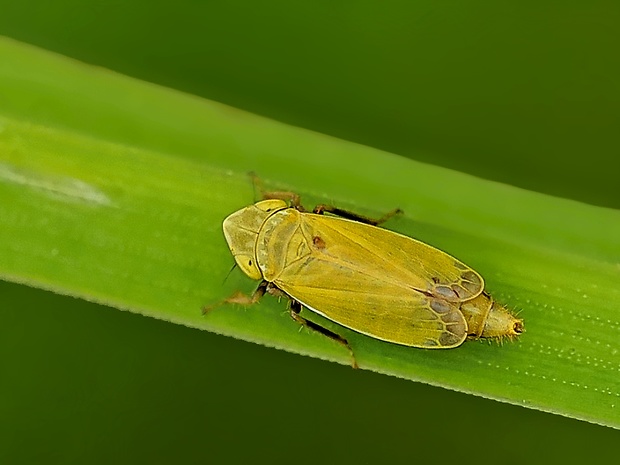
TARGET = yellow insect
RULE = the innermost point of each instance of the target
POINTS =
(369, 279)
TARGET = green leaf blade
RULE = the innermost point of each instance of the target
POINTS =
(117, 195)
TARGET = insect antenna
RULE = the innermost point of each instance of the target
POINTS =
(253, 176)
(228, 274)
(256, 184)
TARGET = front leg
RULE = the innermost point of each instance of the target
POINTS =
(291, 197)
(241, 298)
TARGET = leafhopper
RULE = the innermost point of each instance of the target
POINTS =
(371, 280)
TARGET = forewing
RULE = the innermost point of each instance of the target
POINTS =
(392, 257)
(377, 309)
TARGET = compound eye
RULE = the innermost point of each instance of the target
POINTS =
(247, 263)
(270, 205)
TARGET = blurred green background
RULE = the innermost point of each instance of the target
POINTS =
(526, 93)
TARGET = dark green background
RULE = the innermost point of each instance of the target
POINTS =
(526, 93)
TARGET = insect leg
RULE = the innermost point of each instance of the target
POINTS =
(241, 298)
(320, 209)
(295, 309)
(290, 197)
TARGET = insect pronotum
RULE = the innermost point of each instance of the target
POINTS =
(369, 279)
